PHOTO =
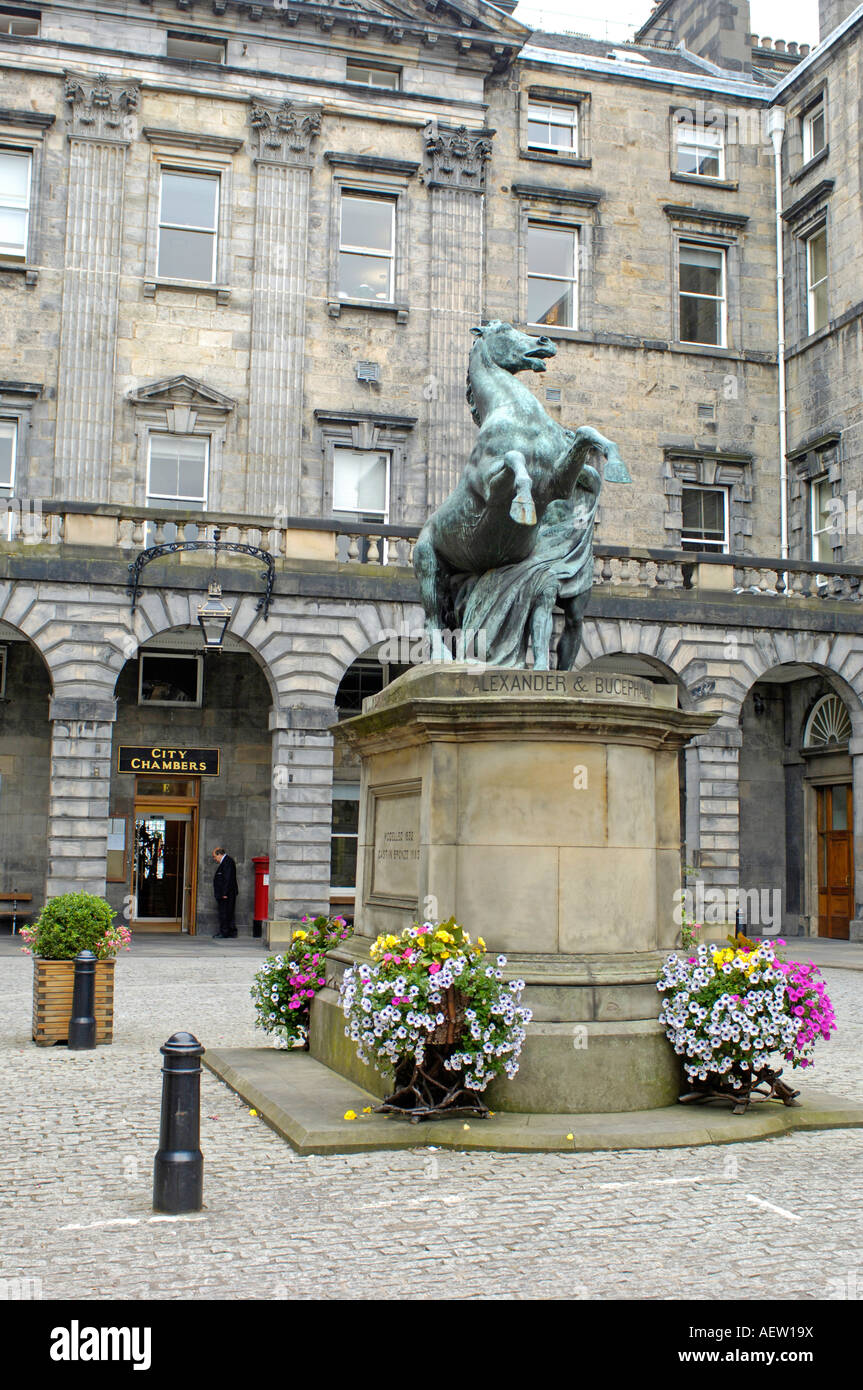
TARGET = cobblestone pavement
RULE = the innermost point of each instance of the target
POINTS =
(779, 1218)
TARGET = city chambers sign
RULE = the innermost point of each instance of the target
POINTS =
(203, 762)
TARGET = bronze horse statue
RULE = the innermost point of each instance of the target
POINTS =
(485, 557)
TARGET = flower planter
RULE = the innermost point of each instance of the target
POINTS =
(763, 1084)
(430, 1088)
(52, 1000)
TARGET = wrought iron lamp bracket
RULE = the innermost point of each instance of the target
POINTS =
(217, 545)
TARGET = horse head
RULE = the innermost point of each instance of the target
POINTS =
(513, 350)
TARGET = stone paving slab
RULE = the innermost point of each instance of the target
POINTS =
(306, 1103)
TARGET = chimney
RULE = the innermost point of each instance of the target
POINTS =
(718, 32)
(831, 14)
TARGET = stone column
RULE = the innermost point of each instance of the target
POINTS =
(98, 140)
(719, 808)
(284, 135)
(855, 748)
(301, 811)
(78, 795)
(456, 179)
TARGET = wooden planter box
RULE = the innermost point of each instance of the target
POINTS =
(52, 1000)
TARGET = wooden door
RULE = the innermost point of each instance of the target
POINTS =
(835, 861)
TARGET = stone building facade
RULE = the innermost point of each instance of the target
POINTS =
(243, 248)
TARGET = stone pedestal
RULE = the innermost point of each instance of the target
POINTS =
(542, 810)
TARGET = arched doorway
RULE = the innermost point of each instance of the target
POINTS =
(191, 771)
(796, 804)
(25, 769)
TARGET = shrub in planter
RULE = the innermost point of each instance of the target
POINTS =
(75, 922)
(285, 986)
(431, 1010)
(729, 1009)
(68, 924)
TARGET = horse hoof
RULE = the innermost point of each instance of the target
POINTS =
(523, 511)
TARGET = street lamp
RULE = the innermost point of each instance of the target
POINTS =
(214, 616)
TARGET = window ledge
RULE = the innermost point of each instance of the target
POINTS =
(573, 161)
(576, 335)
(704, 181)
(810, 164)
(222, 292)
(30, 272)
(705, 350)
(335, 306)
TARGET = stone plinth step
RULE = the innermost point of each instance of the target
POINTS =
(305, 1102)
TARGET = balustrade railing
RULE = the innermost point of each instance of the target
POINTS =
(330, 540)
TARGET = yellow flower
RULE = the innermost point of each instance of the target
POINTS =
(570, 1136)
(465, 1126)
(367, 1109)
(253, 1112)
(444, 955)
(480, 943)
(421, 941)
(350, 1114)
(300, 935)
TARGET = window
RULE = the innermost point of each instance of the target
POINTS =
(15, 169)
(816, 280)
(372, 77)
(188, 217)
(8, 456)
(345, 835)
(700, 152)
(167, 679)
(552, 270)
(705, 518)
(552, 127)
(823, 519)
(24, 23)
(200, 49)
(814, 131)
(702, 294)
(366, 247)
(361, 484)
(177, 472)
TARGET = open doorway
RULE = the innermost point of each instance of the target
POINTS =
(165, 855)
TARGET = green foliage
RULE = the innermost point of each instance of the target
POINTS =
(75, 922)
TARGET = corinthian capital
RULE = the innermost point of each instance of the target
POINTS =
(100, 108)
(458, 156)
(284, 131)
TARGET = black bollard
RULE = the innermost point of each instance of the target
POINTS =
(178, 1172)
(82, 1024)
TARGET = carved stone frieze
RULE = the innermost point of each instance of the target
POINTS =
(457, 157)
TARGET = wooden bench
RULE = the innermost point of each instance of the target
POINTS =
(15, 911)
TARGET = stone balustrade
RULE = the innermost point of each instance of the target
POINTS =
(331, 540)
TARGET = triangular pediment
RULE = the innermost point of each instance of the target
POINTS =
(181, 390)
(481, 17)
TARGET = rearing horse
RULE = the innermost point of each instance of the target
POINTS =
(522, 462)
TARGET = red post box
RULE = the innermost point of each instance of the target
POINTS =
(262, 891)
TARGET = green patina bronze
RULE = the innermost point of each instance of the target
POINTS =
(515, 537)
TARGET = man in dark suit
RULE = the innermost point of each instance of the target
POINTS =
(225, 889)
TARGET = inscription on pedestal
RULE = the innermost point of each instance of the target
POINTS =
(395, 847)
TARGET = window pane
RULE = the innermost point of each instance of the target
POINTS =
(189, 200)
(346, 814)
(700, 320)
(14, 178)
(360, 481)
(817, 257)
(367, 223)
(839, 797)
(364, 277)
(372, 77)
(178, 467)
(8, 435)
(200, 50)
(13, 232)
(819, 308)
(700, 270)
(343, 862)
(186, 255)
(550, 251)
(694, 159)
(537, 133)
(550, 302)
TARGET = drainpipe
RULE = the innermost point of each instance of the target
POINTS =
(776, 130)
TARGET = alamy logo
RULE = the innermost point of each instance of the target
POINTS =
(77, 1343)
